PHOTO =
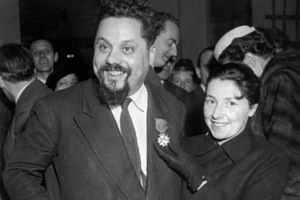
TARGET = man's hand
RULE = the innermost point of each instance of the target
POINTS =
(184, 164)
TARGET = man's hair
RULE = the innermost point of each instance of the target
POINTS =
(16, 63)
(135, 9)
(162, 17)
(257, 42)
(47, 40)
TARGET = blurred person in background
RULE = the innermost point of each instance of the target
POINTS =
(66, 75)
(44, 57)
(184, 75)
(18, 82)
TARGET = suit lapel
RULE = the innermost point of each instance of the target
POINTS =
(156, 109)
(98, 125)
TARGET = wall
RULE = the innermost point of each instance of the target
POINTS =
(193, 24)
(263, 8)
(9, 21)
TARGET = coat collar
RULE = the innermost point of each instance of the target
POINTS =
(239, 146)
(235, 148)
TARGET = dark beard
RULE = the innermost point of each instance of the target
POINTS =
(106, 95)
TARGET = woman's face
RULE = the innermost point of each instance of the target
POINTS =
(226, 113)
(66, 81)
(184, 80)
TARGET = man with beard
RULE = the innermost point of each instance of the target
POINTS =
(44, 58)
(80, 129)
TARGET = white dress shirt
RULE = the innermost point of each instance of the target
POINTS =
(138, 113)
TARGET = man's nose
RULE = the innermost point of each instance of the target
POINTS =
(174, 51)
(42, 54)
(113, 57)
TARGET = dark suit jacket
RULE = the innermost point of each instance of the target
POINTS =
(194, 102)
(31, 93)
(6, 110)
(175, 90)
(80, 135)
(246, 167)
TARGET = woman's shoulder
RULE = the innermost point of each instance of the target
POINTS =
(267, 151)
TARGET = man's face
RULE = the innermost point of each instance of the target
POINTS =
(166, 44)
(44, 56)
(166, 71)
(121, 56)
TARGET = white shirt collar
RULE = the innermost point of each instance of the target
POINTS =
(21, 91)
(140, 98)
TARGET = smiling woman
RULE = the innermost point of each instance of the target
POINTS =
(230, 162)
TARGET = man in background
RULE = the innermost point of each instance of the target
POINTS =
(18, 82)
(166, 52)
(44, 58)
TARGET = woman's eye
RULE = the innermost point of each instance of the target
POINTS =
(209, 101)
(232, 103)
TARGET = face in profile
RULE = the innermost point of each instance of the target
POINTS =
(166, 44)
(121, 58)
(166, 71)
(66, 81)
(226, 112)
(184, 80)
(205, 59)
(43, 55)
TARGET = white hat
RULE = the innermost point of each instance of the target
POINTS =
(226, 39)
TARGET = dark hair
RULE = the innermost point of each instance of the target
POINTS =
(135, 9)
(257, 42)
(279, 38)
(247, 82)
(212, 63)
(186, 65)
(64, 69)
(16, 63)
(162, 17)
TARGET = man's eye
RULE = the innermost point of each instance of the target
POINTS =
(48, 51)
(128, 49)
(35, 53)
(103, 48)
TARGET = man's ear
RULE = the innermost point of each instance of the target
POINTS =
(55, 57)
(152, 51)
(253, 110)
(198, 73)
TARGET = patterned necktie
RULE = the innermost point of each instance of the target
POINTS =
(130, 140)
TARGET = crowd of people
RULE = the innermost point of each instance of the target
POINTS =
(148, 124)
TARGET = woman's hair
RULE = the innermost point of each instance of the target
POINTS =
(64, 69)
(257, 42)
(16, 63)
(247, 82)
(186, 65)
